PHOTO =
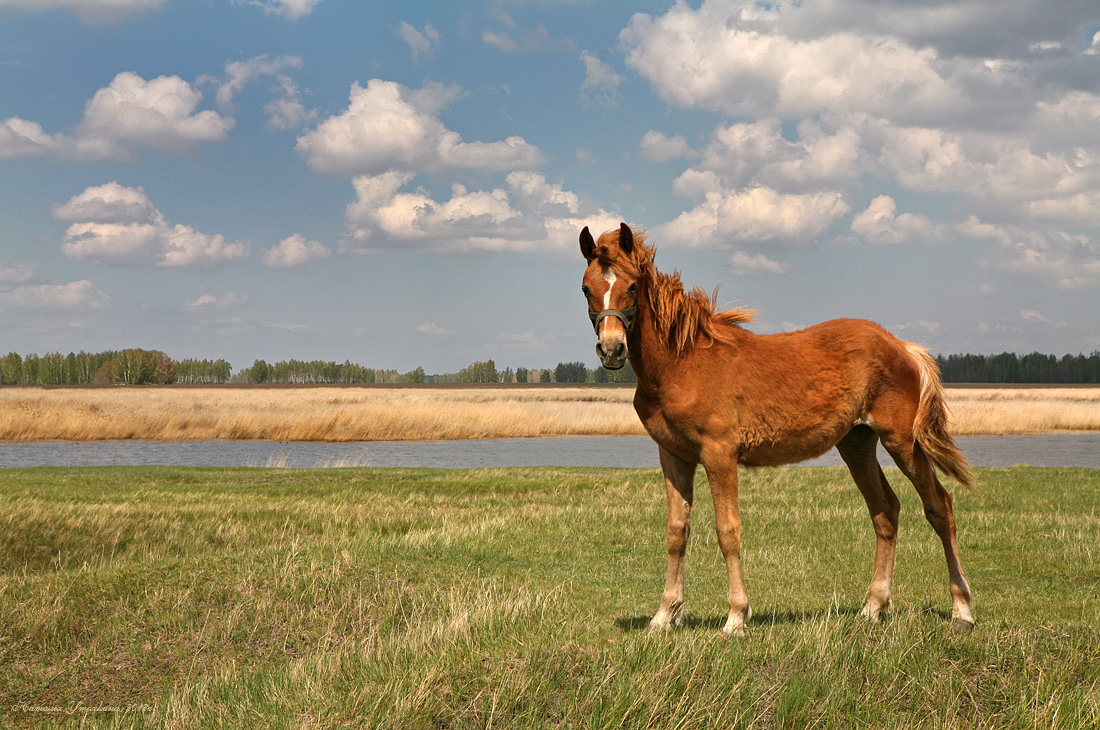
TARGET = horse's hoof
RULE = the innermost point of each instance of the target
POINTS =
(962, 626)
(733, 632)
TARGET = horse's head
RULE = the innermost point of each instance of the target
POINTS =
(611, 287)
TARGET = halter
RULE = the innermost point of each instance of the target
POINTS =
(625, 316)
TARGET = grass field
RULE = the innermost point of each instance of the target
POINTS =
(381, 414)
(518, 598)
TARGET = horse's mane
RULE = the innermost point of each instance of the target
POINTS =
(680, 317)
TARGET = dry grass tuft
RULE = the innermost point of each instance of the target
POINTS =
(399, 414)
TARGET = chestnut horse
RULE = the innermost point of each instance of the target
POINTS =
(710, 392)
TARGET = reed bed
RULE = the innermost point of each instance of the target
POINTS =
(398, 414)
(976, 411)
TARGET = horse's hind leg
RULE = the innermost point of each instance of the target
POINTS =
(937, 510)
(858, 451)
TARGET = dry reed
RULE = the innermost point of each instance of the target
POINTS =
(390, 414)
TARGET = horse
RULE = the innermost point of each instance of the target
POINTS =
(711, 392)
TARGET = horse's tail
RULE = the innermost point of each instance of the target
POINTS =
(930, 425)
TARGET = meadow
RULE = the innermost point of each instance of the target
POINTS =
(382, 414)
(518, 598)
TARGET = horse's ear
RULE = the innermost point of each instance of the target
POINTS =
(588, 245)
(626, 238)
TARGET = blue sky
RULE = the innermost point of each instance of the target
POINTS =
(402, 184)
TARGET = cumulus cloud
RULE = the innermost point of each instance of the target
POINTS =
(757, 215)
(210, 302)
(1058, 258)
(528, 214)
(130, 113)
(17, 273)
(989, 105)
(92, 12)
(120, 226)
(292, 9)
(388, 126)
(431, 329)
(713, 58)
(656, 147)
(880, 223)
(286, 111)
(295, 252)
(74, 295)
(744, 264)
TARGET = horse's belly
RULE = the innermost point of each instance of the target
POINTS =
(786, 452)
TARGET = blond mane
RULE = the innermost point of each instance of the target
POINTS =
(681, 318)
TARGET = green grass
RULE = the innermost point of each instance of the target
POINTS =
(518, 598)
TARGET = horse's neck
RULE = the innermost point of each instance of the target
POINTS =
(650, 356)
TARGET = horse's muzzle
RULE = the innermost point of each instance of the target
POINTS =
(612, 352)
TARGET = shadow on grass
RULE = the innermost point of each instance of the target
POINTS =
(629, 624)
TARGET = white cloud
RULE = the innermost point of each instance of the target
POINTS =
(108, 203)
(744, 264)
(880, 223)
(17, 273)
(1056, 258)
(528, 215)
(756, 215)
(995, 116)
(500, 41)
(601, 84)
(757, 152)
(718, 58)
(1033, 315)
(92, 12)
(209, 302)
(418, 42)
(74, 295)
(127, 114)
(120, 226)
(286, 112)
(1094, 47)
(241, 73)
(1082, 208)
(388, 126)
(656, 147)
(295, 252)
(292, 9)
(431, 329)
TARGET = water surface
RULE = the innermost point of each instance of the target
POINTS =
(1060, 449)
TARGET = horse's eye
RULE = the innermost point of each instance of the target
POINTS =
(633, 290)
(586, 290)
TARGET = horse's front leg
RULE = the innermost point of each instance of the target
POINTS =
(679, 485)
(722, 473)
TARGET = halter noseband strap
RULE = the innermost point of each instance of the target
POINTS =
(625, 316)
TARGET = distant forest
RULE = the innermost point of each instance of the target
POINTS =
(137, 367)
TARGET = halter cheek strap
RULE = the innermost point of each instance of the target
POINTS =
(625, 316)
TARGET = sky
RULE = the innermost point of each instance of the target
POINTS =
(402, 184)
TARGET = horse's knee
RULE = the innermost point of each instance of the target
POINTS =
(677, 532)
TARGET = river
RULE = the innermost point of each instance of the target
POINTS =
(1058, 449)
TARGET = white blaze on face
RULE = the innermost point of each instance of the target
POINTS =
(616, 343)
(609, 275)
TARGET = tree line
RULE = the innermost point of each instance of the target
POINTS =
(1009, 367)
(129, 367)
(137, 367)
